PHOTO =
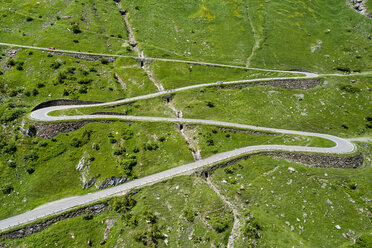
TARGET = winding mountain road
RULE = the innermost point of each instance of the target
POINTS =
(342, 146)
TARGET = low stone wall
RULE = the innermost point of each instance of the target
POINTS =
(235, 130)
(312, 160)
(84, 56)
(34, 228)
(107, 113)
(62, 102)
(303, 84)
(49, 130)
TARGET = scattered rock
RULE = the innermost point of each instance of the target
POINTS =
(329, 202)
(359, 6)
(90, 183)
(109, 182)
(338, 227)
(317, 46)
(291, 169)
(350, 233)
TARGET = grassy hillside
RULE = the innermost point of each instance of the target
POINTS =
(285, 32)
(278, 203)
(309, 207)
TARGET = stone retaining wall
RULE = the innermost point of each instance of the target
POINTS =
(312, 160)
(34, 228)
(62, 102)
(84, 56)
(49, 130)
(302, 84)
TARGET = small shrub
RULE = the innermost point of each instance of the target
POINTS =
(113, 141)
(75, 41)
(210, 104)
(55, 65)
(13, 93)
(104, 61)
(7, 189)
(40, 85)
(219, 224)
(251, 228)
(10, 148)
(150, 216)
(76, 142)
(35, 92)
(150, 146)
(229, 170)
(210, 142)
(75, 29)
(95, 146)
(127, 134)
(83, 89)
(189, 215)
(29, 18)
(65, 92)
(30, 170)
(231, 180)
(84, 81)
(11, 62)
(43, 144)
(349, 89)
(19, 66)
(87, 216)
(127, 165)
(12, 164)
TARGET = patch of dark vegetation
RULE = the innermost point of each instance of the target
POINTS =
(34, 228)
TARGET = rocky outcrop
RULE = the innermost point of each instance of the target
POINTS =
(302, 84)
(61, 102)
(34, 228)
(359, 6)
(312, 160)
(84, 56)
(109, 182)
(49, 130)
